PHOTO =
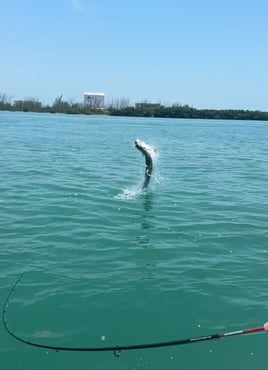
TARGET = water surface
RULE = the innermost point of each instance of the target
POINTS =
(108, 265)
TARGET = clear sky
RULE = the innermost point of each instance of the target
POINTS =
(205, 53)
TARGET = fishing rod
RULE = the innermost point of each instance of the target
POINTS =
(118, 348)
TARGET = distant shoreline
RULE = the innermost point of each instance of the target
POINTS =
(139, 110)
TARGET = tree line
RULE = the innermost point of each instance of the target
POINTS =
(122, 107)
(185, 111)
(59, 105)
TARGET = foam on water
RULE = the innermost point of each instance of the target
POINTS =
(129, 194)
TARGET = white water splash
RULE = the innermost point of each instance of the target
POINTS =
(129, 194)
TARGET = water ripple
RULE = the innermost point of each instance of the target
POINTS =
(113, 262)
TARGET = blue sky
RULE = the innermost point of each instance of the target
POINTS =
(205, 53)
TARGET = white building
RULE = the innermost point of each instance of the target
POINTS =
(94, 100)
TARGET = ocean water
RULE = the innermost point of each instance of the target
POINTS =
(106, 264)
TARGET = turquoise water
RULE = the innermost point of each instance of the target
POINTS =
(106, 264)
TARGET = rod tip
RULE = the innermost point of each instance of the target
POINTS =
(265, 326)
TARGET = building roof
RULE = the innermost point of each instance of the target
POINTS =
(94, 94)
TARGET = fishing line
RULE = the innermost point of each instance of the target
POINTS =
(117, 349)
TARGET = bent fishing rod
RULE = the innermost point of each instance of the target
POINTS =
(117, 349)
